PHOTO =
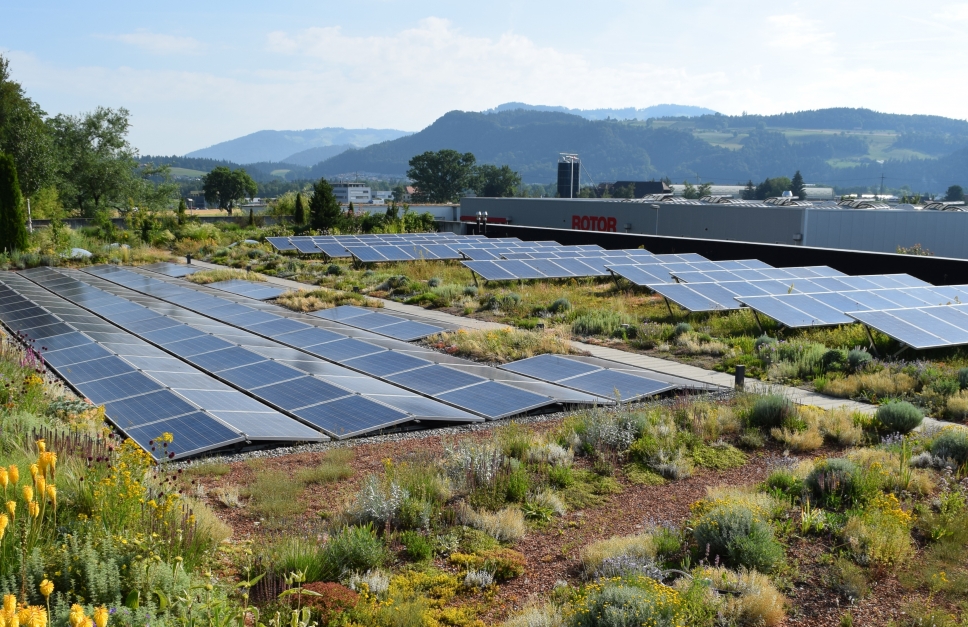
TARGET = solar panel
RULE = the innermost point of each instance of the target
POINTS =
(281, 243)
(306, 247)
(332, 250)
(408, 331)
(550, 367)
(222, 400)
(291, 395)
(192, 434)
(279, 326)
(779, 310)
(40, 333)
(490, 270)
(342, 350)
(350, 416)
(308, 337)
(434, 379)
(372, 320)
(268, 425)
(261, 373)
(366, 254)
(817, 309)
(686, 298)
(898, 329)
(639, 275)
(495, 400)
(197, 345)
(385, 363)
(441, 251)
(956, 316)
(478, 254)
(723, 294)
(65, 340)
(187, 380)
(923, 319)
(117, 387)
(428, 409)
(94, 369)
(607, 382)
(75, 354)
(225, 358)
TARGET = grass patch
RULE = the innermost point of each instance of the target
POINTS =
(334, 466)
(274, 494)
(224, 274)
(504, 345)
(314, 300)
(208, 469)
(641, 474)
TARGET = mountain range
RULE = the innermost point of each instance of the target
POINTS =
(847, 148)
(306, 147)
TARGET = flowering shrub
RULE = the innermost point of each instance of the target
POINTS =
(880, 535)
(738, 535)
(623, 602)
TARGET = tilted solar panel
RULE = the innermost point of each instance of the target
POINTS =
(686, 298)
(898, 329)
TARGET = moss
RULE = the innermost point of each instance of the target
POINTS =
(722, 457)
(639, 474)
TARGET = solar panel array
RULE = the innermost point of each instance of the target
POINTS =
(114, 368)
(588, 377)
(385, 248)
(392, 362)
(252, 289)
(921, 327)
(381, 323)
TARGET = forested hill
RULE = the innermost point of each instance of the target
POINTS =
(922, 152)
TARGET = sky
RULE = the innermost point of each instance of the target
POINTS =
(196, 73)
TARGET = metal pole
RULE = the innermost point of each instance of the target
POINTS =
(571, 183)
(30, 221)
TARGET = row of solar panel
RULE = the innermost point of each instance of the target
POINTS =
(493, 400)
(923, 327)
(448, 384)
(135, 403)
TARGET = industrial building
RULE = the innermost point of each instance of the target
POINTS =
(824, 225)
(356, 193)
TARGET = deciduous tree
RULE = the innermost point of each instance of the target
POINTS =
(492, 181)
(224, 187)
(441, 176)
(954, 194)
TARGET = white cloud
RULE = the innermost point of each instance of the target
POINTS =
(159, 43)
(953, 13)
(794, 32)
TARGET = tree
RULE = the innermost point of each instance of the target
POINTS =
(182, 212)
(704, 190)
(771, 188)
(441, 176)
(689, 191)
(750, 192)
(324, 209)
(399, 192)
(24, 135)
(225, 187)
(299, 213)
(955, 194)
(491, 181)
(98, 166)
(251, 221)
(797, 188)
(13, 228)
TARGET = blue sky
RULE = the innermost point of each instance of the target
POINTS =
(196, 73)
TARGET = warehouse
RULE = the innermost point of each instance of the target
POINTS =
(943, 233)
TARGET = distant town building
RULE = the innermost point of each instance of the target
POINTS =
(356, 193)
(640, 189)
(381, 194)
(736, 191)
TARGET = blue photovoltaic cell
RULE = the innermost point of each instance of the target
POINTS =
(639, 275)
(433, 380)
(550, 367)
(151, 324)
(408, 331)
(428, 408)
(579, 268)
(225, 358)
(290, 395)
(898, 329)
(606, 382)
(335, 251)
(956, 316)
(718, 293)
(840, 302)
(933, 325)
(65, 340)
(197, 345)
(478, 254)
(50, 330)
(308, 337)
(351, 415)
(817, 309)
(249, 317)
(442, 252)
(281, 243)
(685, 297)
(94, 369)
(495, 400)
(870, 300)
(75, 354)
(366, 254)
(222, 400)
(193, 434)
(305, 246)
(372, 321)
(261, 373)
(187, 380)
(342, 350)
(519, 269)
(909, 281)
(393, 253)
(341, 313)
(783, 313)
(117, 387)
(549, 268)
(385, 363)
(902, 299)
(278, 327)
(172, 334)
(490, 270)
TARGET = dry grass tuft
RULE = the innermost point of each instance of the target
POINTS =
(306, 301)
(593, 555)
(882, 384)
(505, 345)
(956, 408)
(800, 441)
(224, 274)
(506, 525)
(754, 599)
